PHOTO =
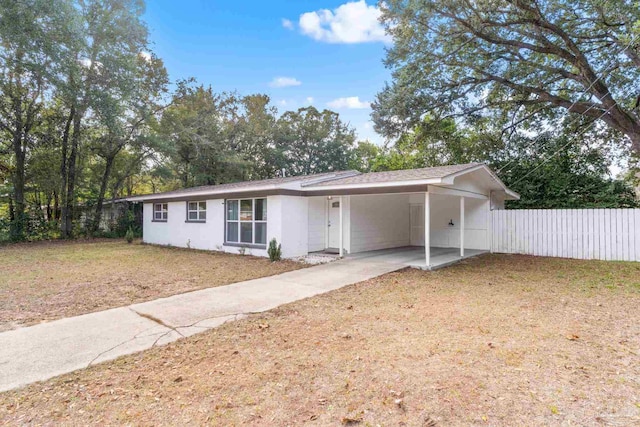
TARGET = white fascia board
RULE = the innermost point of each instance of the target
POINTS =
(512, 195)
(455, 192)
(374, 185)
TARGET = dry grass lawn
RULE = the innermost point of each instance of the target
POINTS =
(51, 280)
(497, 340)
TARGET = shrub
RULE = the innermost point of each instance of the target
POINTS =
(274, 251)
(127, 221)
(129, 235)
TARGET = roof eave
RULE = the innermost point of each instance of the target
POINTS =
(511, 195)
(187, 194)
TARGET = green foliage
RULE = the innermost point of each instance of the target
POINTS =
(558, 172)
(511, 61)
(215, 138)
(32, 228)
(310, 141)
(127, 221)
(554, 174)
(365, 156)
(129, 235)
(274, 250)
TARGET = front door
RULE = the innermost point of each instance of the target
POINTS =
(416, 219)
(334, 224)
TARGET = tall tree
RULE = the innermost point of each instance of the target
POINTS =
(198, 131)
(365, 156)
(444, 142)
(110, 38)
(310, 141)
(515, 58)
(254, 135)
(124, 117)
(30, 50)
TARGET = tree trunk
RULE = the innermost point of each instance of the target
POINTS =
(56, 206)
(49, 211)
(12, 211)
(69, 200)
(95, 224)
(61, 211)
(19, 222)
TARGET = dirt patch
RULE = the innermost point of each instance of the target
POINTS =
(51, 280)
(497, 340)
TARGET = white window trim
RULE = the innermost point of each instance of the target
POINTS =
(163, 211)
(240, 222)
(200, 218)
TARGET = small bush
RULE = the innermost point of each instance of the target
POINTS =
(274, 251)
(129, 236)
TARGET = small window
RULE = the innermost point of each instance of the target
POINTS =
(160, 212)
(335, 204)
(196, 211)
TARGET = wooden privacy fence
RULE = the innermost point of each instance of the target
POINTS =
(606, 234)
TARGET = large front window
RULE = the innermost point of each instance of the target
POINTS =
(246, 221)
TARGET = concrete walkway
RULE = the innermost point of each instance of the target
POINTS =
(46, 350)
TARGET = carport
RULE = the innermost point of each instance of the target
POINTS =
(424, 222)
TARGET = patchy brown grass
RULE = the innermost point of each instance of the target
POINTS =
(51, 280)
(497, 340)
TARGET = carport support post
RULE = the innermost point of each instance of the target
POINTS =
(341, 232)
(427, 231)
(461, 226)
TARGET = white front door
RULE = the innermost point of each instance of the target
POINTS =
(416, 220)
(334, 224)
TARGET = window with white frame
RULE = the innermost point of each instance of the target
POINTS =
(196, 211)
(246, 221)
(160, 212)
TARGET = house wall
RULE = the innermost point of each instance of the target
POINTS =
(294, 225)
(286, 222)
(378, 222)
(447, 208)
(317, 216)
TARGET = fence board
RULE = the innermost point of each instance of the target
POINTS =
(607, 234)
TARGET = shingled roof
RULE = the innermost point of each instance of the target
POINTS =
(393, 176)
(251, 185)
(323, 182)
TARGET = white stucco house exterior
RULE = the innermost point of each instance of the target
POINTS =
(346, 213)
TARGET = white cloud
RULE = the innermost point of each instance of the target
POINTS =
(284, 82)
(310, 99)
(287, 24)
(353, 22)
(351, 102)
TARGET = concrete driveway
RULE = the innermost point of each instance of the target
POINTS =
(43, 351)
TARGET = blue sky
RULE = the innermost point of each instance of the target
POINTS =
(325, 53)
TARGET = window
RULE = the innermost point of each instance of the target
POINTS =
(246, 221)
(196, 211)
(160, 212)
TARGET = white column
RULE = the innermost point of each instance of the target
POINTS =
(427, 231)
(327, 212)
(341, 232)
(461, 226)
